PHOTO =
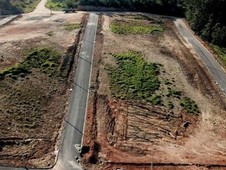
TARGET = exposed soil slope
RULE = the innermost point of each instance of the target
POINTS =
(130, 134)
(37, 60)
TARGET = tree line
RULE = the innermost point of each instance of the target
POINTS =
(153, 6)
(7, 8)
(206, 17)
(63, 3)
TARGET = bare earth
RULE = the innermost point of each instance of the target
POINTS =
(32, 108)
(129, 135)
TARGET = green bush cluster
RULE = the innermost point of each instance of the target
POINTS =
(174, 93)
(134, 78)
(123, 27)
(189, 105)
(61, 4)
(44, 58)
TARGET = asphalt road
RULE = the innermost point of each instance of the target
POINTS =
(74, 123)
(7, 19)
(212, 65)
(40, 8)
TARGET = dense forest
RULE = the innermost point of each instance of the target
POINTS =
(7, 8)
(153, 6)
(207, 19)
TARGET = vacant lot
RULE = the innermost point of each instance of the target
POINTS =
(152, 101)
(37, 63)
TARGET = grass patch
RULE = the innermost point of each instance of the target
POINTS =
(134, 78)
(26, 5)
(55, 5)
(45, 59)
(221, 52)
(60, 5)
(71, 26)
(189, 105)
(129, 27)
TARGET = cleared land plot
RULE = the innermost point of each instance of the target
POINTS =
(152, 100)
(37, 64)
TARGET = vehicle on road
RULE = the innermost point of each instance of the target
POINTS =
(69, 10)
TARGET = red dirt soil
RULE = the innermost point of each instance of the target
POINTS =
(133, 135)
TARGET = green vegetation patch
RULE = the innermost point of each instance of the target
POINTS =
(134, 27)
(174, 93)
(189, 105)
(45, 59)
(221, 52)
(26, 5)
(55, 5)
(134, 78)
(72, 26)
(61, 4)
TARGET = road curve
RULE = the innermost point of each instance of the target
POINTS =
(210, 62)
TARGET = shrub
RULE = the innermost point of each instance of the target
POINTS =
(189, 105)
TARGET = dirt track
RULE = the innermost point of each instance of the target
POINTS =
(130, 134)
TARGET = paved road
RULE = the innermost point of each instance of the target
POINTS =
(212, 65)
(40, 8)
(7, 19)
(75, 121)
